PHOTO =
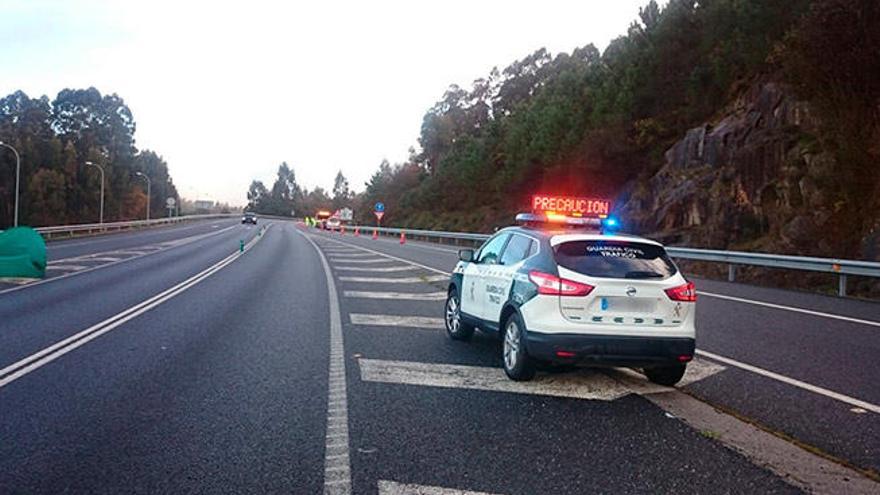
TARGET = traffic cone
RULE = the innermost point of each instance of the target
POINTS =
(375, 234)
(357, 231)
(402, 237)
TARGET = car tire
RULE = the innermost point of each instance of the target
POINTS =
(666, 375)
(518, 365)
(456, 328)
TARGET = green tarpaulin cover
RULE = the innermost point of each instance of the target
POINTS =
(22, 253)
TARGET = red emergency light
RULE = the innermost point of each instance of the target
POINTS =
(568, 206)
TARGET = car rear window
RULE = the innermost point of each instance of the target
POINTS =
(615, 259)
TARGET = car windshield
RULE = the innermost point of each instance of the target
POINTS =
(615, 259)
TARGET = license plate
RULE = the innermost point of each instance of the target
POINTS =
(627, 305)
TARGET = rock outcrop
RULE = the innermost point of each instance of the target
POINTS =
(755, 179)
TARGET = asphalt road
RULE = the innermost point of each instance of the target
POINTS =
(188, 367)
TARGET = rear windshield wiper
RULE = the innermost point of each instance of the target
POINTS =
(644, 274)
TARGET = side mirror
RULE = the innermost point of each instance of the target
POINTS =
(466, 255)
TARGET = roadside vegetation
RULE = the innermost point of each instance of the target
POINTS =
(55, 139)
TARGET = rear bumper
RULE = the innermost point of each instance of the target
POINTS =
(606, 350)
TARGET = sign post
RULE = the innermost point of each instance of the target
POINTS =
(379, 211)
(170, 203)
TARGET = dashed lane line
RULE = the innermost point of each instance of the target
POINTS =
(426, 322)
(405, 296)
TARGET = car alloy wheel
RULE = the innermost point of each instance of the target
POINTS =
(511, 345)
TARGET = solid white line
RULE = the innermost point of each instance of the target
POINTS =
(397, 321)
(403, 296)
(24, 366)
(394, 488)
(337, 466)
(382, 280)
(791, 308)
(791, 381)
(375, 269)
(353, 255)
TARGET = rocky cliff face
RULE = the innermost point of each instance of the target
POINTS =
(755, 179)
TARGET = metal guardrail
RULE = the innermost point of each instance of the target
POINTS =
(840, 267)
(92, 228)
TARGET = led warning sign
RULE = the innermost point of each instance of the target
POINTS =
(571, 206)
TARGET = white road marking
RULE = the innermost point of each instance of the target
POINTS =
(66, 268)
(108, 259)
(395, 258)
(697, 370)
(584, 384)
(795, 383)
(754, 369)
(589, 384)
(337, 465)
(105, 265)
(375, 269)
(135, 253)
(371, 260)
(19, 281)
(404, 280)
(791, 308)
(397, 321)
(39, 359)
(405, 296)
(334, 256)
(394, 488)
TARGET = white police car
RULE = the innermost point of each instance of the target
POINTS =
(559, 290)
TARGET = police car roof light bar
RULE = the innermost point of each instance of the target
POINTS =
(541, 219)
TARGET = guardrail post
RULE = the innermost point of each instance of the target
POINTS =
(731, 272)
(841, 285)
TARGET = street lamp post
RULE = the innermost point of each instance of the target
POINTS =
(148, 192)
(17, 177)
(101, 218)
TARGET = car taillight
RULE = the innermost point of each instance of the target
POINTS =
(552, 285)
(683, 293)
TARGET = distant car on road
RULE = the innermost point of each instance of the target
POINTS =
(249, 217)
(572, 295)
(333, 223)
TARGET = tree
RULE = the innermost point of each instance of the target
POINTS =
(55, 139)
(341, 193)
(257, 197)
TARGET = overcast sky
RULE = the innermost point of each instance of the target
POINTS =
(225, 91)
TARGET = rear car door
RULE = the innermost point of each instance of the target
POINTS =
(498, 278)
